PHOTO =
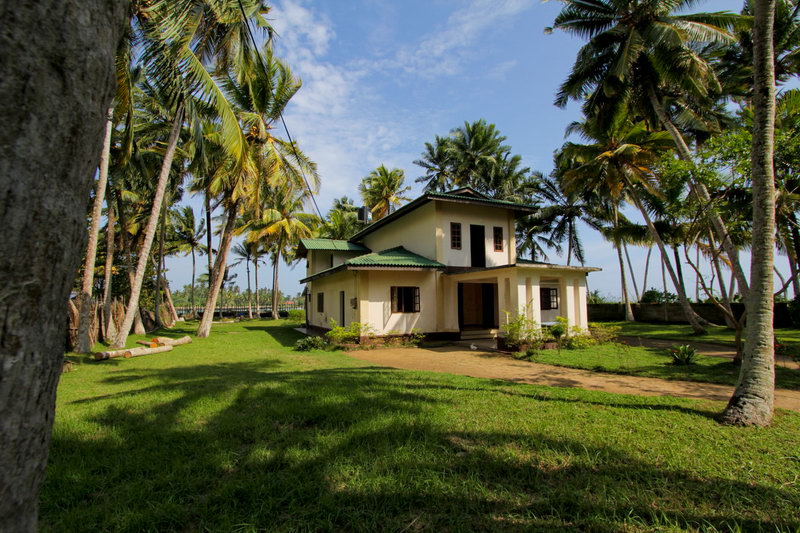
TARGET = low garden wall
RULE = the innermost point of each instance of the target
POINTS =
(673, 314)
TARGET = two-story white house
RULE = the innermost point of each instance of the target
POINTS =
(444, 264)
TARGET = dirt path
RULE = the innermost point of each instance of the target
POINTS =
(454, 360)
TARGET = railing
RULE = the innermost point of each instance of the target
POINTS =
(240, 310)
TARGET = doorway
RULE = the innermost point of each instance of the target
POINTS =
(477, 306)
(477, 245)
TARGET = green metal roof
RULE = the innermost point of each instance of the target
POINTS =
(394, 257)
(333, 245)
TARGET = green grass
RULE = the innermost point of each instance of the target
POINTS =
(238, 433)
(716, 334)
(657, 363)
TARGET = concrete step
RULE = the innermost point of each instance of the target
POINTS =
(479, 334)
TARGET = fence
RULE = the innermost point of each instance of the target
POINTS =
(673, 313)
(263, 311)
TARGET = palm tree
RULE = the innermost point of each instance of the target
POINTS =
(342, 220)
(246, 253)
(280, 228)
(752, 401)
(189, 235)
(383, 189)
(437, 162)
(618, 165)
(639, 53)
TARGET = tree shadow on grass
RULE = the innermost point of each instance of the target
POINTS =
(285, 336)
(246, 446)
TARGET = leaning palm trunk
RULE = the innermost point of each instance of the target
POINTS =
(646, 268)
(109, 327)
(138, 325)
(633, 274)
(218, 273)
(752, 401)
(85, 319)
(160, 267)
(275, 312)
(701, 192)
(692, 317)
(150, 230)
(625, 299)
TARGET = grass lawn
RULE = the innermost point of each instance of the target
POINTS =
(716, 334)
(238, 433)
(656, 363)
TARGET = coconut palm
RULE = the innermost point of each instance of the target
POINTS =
(437, 162)
(189, 234)
(245, 252)
(752, 401)
(383, 189)
(638, 55)
(280, 227)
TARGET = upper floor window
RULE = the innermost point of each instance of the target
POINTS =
(405, 299)
(549, 297)
(498, 239)
(455, 235)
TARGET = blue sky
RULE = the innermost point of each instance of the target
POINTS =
(382, 77)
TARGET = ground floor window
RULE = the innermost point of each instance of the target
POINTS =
(405, 299)
(549, 297)
(320, 302)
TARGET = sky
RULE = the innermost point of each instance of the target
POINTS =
(382, 77)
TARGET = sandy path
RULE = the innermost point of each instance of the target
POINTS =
(454, 360)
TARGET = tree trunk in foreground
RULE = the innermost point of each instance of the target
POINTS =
(109, 327)
(218, 273)
(752, 401)
(56, 75)
(87, 280)
(150, 230)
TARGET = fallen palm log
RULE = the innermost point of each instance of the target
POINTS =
(130, 352)
(166, 341)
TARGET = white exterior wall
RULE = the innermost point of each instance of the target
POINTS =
(466, 215)
(319, 260)
(331, 286)
(375, 302)
(415, 232)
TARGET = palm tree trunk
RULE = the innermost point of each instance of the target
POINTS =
(194, 264)
(255, 275)
(218, 273)
(646, 268)
(109, 328)
(160, 267)
(633, 274)
(249, 292)
(625, 299)
(275, 311)
(169, 303)
(752, 401)
(692, 317)
(57, 72)
(701, 192)
(208, 238)
(664, 287)
(679, 268)
(87, 281)
(150, 230)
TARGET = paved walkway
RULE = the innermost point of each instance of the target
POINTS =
(454, 360)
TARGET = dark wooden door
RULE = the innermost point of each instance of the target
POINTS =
(488, 300)
(477, 245)
(341, 308)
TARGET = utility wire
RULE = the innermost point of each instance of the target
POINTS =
(280, 113)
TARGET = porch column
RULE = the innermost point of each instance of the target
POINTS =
(504, 298)
(523, 295)
(535, 303)
(583, 308)
(568, 301)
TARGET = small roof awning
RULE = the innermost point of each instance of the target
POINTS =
(334, 245)
(392, 259)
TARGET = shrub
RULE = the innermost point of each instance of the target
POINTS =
(655, 296)
(602, 333)
(351, 334)
(415, 338)
(683, 355)
(298, 316)
(306, 344)
(521, 330)
(794, 311)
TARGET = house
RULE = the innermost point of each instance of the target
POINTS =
(445, 265)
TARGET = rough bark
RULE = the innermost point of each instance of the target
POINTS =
(752, 401)
(150, 230)
(218, 273)
(87, 280)
(160, 265)
(109, 327)
(56, 83)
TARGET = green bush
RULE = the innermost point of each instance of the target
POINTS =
(520, 330)
(683, 355)
(297, 316)
(602, 333)
(794, 311)
(306, 344)
(655, 296)
(339, 335)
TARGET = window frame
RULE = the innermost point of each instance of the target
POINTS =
(456, 235)
(498, 243)
(320, 302)
(550, 302)
(401, 303)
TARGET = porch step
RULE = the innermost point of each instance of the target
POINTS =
(478, 334)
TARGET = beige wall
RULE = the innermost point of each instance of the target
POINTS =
(466, 215)
(415, 231)
(376, 307)
(319, 260)
(331, 286)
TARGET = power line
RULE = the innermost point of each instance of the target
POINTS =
(280, 113)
